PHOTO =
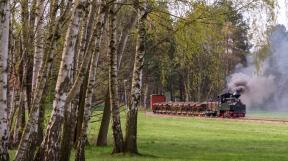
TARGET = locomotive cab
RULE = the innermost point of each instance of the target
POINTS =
(231, 106)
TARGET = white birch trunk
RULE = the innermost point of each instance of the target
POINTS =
(70, 114)
(113, 84)
(26, 149)
(39, 40)
(131, 121)
(4, 41)
(80, 155)
(51, 142)
(124, 38)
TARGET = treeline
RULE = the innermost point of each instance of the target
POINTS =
(65, 58)
(195, 54)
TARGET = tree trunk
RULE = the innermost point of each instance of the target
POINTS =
(70, 115)
(39, 42)
(74, 89)
(80, 112)
(28, 141)
(85, 36)
(51, 141)
(145, 99)
(41, 121)
(80, 154)
(4, 40)
(103, 131)
(104, 127)
(13, 111)
(113, 84)
(33, 14)
(81, 50)
(20, 117)
(181, 88)
(20, 121)
(124, 38)
(67, 136)
(27, 51)
(131, 120)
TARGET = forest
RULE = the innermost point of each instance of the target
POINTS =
(66, 65)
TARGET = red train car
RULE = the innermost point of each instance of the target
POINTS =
(156, 98)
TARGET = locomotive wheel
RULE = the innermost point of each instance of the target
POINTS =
(227, 114)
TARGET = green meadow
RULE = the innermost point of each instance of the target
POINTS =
(198, 139)
(177, 138)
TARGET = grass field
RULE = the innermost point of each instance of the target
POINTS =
(194, 139)
(266, 114)
(166, 138)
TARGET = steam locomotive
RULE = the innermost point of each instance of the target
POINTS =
(227, 105)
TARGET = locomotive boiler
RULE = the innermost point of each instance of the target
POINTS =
(226, 105)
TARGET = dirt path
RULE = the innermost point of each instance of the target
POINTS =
(246, 119)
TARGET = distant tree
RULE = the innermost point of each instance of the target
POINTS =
(209, 48)
(160, 51)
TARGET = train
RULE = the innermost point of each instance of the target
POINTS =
(226, 105)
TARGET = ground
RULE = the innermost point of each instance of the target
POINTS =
(174, 138)
(198, 139)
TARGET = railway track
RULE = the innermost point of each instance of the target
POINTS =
(252, 119)
(265, 119)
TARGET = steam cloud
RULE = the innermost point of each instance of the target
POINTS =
(268, 89)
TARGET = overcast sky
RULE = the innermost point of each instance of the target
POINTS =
(282, 13)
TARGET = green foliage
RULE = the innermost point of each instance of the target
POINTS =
(270, 3)
(160, 49)
(200, 49)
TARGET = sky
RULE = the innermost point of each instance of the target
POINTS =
(281, 11)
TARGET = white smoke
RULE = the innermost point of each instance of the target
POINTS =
(269, 89)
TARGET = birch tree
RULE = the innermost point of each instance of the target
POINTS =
(71, 112)
(113, 84)
(27, 146)
(20, 120)
(124, 37)
(27, 46)
(4, 41)
(38, 41)
(131, 120)
(85, 37)
(92, 44)
(51, 141)
(80, 155)
(105, 121)
(121, 45)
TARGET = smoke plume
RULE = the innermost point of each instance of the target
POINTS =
(267, 89)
